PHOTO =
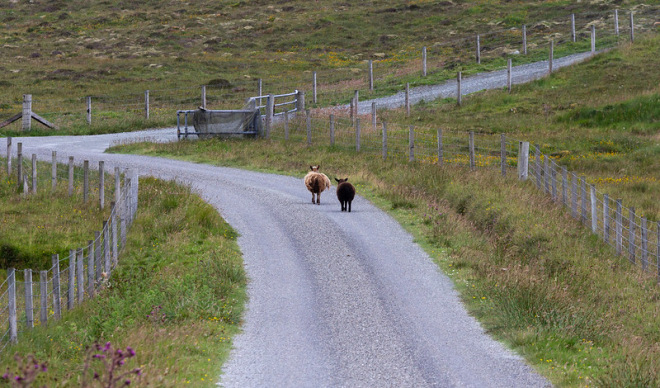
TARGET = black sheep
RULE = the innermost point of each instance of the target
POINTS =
(345, 193)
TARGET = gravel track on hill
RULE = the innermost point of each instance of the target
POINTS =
(336, 299)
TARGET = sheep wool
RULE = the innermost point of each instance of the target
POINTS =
(316, 182)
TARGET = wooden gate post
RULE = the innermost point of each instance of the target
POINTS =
(27, 112)
(523, 160)
(57, 307)
(573, 27)
(11, 291)
(29, 300)
(43, 297)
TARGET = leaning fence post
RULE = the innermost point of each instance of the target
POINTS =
(97, 257)
(440, 147)
(19, 164)
(89, 110)
(645, 245)
(57, 308)
(503, 154)
(332, 130)
(459, 96)
(573, 27)
(616, 22)
(524, 39)
(27, 112)
(424, 61)
(146, 104)
(411, 143)
(523, 160)
(80, 275)
(8, 155)
(357, 135)
(86, 180)
(594, 210)
(618, 228)
(90, 267)
(106, 248)
(631, 235)
(101, 184)
(471, 146)
(308, 121)
(70, 295)
(70, 176)
(53, 172)
(11, 290)
(113, 239)
(384, 141)
(43, 297)
(29, 301)
(34, 173)
(606, 218)
(593, 40)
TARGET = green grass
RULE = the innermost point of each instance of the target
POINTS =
(181, 265)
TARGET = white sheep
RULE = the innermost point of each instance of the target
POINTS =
(316, 182)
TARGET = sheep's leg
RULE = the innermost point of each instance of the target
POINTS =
(313, 198)
(343, 205)
(349, 206)
(318, 198)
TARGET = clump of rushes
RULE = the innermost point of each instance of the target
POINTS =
(28, 370)
(113, 360)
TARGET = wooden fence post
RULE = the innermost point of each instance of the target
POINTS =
(53, 172)
(478, 50)
(57, 296)
(19, 164)
(308, 121)
(618, 228)
(43, 297)
(70, 176)
(616, 22)
(574, 195)
(86, 181)
(645, 245)
(146, 104)
(459, 96)
(314, 87)
(632, 28)
(631, 235)
(573, 27)
(332, 130)
(356, 101)
(593, 40)
(537, 165)
(260, 89)
(546, 174)
(384, 141)
(27, 112)
(553, 178)
(503, 154)
(113, 241)
(270, 108)
(80, 275)
(106, 249)
(101, 184)
(89, 110)
(357, 135)
(29, 301)
(411, 143)
(564, 186)
(117, 185)
(8, 155)
(657, 251)
(594, 210)
(524, 39)
(11, 291)
(203, 96)
(606, 218)
(551, 57)
(583, 185)
(508, 75)
(373, 116)
(471, 147)
(523, 160)
(440, 147)
(371, 75)
(97, 256)
(424, 61)
(90, 268)
(351, 111)
(70, 295)
(34, 173)
(407, 99)
(286, 124)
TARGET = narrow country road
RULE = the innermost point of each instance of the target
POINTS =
(335, 299)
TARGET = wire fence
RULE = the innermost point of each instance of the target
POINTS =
(336, 83)
(31, 298)
(631, 235)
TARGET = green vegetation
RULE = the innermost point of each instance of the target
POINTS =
(176, 297)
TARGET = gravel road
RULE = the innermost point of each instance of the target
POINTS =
(335, 299)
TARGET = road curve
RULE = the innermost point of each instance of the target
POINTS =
(335, 299)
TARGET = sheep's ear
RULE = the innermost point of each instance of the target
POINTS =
(311, 168)
(346, 180)
(337, 179)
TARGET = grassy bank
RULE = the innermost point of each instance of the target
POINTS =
(176, 298)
